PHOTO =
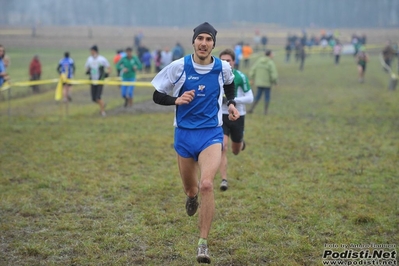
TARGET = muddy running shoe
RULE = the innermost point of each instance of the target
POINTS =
(243, 145)
(126, 102)
(224, 185)
(202, 254)
(191, 205)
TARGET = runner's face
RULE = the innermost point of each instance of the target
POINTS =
(228, 59)
(203, 46)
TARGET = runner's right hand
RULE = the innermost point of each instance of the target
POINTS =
(185, 98)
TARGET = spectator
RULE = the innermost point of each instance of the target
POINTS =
(396, 48)
(3, 73)
(363, 39)
(301, 56)
(324, 45)
(35, 71)
(246, 53)
(166, 57)
(337, 51)
(238, 53)
(388, 54)
(6, 61)
(332, 42)
(157, 60)
(116, 59)
(362, 59)
(264, 41)
(263, 75)
(141, 50)
(178, 52)
(304, 38)
(292, 40)
(257, 40)
(146, 61)
(137, 39)
(356, 44)
(288, 50)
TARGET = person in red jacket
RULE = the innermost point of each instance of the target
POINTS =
(35, 70)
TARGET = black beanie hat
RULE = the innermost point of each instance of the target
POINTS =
(205, 28)
(94, 48)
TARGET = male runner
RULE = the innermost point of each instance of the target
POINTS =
(234, 129)
(66, 66)
(128, 66)
(197, 83)
(98, 68)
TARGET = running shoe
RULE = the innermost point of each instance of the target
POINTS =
(191, 205)
(202, 254)
(224, 185)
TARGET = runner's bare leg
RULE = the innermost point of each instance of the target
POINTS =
(209, 163)
(188, 168)
(223, 163)
(236, 147)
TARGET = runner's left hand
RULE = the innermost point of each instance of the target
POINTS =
(233, 113)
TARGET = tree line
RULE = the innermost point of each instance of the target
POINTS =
(181, 13)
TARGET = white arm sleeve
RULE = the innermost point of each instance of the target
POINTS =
(247, 98)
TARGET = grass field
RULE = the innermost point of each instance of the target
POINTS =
(321, 168)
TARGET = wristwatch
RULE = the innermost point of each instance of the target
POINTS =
(231, 102)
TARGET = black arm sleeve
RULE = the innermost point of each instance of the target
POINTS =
(229, 91)
(163, 99)
(59, 69)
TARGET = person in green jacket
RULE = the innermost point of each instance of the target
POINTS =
(128, 66)
(263, 75)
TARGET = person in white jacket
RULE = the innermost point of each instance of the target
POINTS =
(234, 129)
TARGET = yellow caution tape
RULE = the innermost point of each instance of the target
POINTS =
(5, 86)
(34, 82)
(108, 82)
(113, 82)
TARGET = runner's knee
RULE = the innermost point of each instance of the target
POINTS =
(235, 150)
(192, 191)
(225, 146)
(206, 186)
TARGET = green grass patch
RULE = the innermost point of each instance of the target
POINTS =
(321, 168)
